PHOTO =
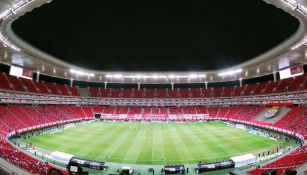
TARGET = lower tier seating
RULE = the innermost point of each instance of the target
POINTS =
(288, 162)
(16, 117)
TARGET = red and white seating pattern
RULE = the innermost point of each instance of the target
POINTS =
(287, 85)
(288, 162)
(13, 83)
(18, 116)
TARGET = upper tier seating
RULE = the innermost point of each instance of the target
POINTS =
(287, 85)
(30, 85)
(13, 83)
(4, 82)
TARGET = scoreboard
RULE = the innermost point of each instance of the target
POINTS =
(291, 72)
(21, 72)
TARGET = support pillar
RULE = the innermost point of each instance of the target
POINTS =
(274, 76)
(37, 76)
(105, 85)
(172, 85)
(206, 85)
(241, 83)
(139, 86)
(71, 82)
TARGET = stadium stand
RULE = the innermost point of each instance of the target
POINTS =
(287, 85)
(15, 118)
(288, 162)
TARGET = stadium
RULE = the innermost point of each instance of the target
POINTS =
(153, 87)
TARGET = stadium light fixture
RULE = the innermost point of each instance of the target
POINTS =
(292, 3)
(155, 76)
(304, 41)
(194, 75)
(120, 76)
(302, 9)
(6, 14)
(138, 76)
(8, 43)
(117, 76)
(296, 6)
(109, 76)
(229, 73)
(172, 76)
(181, 76)
(77, 72)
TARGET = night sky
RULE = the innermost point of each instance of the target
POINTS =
(155, 35)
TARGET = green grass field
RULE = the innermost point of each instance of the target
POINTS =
(154, 143)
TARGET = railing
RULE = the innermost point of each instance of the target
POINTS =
(11, 168)
(13, 97)
(37, 127)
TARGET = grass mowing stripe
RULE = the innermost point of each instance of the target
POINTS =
(145, 155)
(208, 148)
(186, 145)
(91, 148)
(113, 144)
(153, 143)
(133, 151)
(195, 151)
(158, 144)
(226, 140)
(214, 144)
(201, 148)
(181, 151)
(125, 143)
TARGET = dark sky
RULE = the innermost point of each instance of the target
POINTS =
(155, 35)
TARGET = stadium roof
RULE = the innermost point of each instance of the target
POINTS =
(287, 53)
(158, 35)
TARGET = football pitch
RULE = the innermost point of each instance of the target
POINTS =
(154, 143)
